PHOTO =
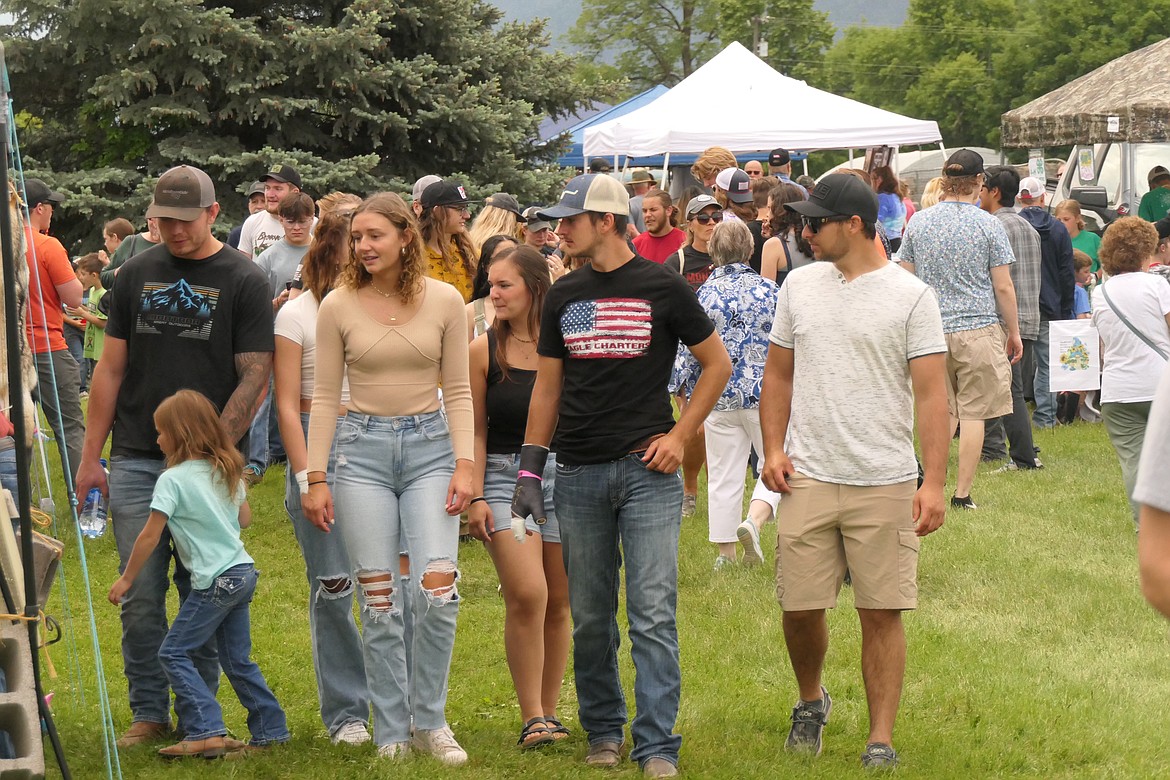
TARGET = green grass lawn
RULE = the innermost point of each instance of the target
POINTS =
(1032, 653)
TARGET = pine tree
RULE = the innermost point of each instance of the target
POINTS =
(360, 95)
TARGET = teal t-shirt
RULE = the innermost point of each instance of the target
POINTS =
(204, 519)
(1155, 204)
(1089, 243)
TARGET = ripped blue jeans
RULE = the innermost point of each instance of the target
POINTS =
(334, 636)
(389, 495)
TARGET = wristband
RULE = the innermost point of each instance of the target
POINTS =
(302, 478)
(320, 482)
(529, 474)
(477, 498)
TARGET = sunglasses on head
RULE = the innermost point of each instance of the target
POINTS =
(815, 223)
(715, 217)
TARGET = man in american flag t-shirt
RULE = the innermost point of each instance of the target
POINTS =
(609, 333)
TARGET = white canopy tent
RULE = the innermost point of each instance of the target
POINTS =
(737, 101)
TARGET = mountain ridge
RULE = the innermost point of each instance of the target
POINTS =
(562, 14)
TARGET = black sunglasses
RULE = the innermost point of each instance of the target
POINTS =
(814, 224)
(715, 217)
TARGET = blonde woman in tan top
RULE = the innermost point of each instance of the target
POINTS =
(403, 473)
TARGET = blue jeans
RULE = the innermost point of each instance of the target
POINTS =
(8, 479)
(499, 482)
(1045, 414)
(336, 642)
(220, 613)
(607, 512)
(144, 610)
(75, 341)
(264, 444)
(390, 492)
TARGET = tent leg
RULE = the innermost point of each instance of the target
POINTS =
(665, 172)
(942, 147)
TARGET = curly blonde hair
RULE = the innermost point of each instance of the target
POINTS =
(711, 161)
(393, 208)
(1128, 245)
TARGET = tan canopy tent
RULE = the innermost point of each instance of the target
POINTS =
(1134, 88)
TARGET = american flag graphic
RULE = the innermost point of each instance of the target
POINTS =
(607, 328)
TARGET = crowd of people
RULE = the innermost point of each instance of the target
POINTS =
(411, 369)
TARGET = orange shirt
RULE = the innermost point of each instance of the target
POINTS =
(52, 267)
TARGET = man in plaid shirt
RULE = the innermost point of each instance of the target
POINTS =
(998, 197)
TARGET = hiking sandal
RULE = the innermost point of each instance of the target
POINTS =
(558, 729)
(538, 729)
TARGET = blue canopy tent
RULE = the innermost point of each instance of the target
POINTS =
(574, 156)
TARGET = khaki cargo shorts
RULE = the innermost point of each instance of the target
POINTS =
(824, 529)
(979, 374)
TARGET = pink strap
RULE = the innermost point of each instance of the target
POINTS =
(537, 477)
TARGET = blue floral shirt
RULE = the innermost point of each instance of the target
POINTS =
(742, 305)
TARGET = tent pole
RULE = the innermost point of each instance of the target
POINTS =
(942, 147)
(13, 332)
(850, 157)
(665, 172)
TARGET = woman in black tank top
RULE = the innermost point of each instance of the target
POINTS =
(527, 556)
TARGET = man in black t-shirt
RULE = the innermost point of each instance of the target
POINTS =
(189, 313)
(608, 337)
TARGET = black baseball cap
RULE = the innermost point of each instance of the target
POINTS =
(285, 174)
(503, 200)
(1163, 228)
(963, 163)
(779, 157)
(255, 188)
(599, 165)
(37, 192)
(447, 192)
(839, 195)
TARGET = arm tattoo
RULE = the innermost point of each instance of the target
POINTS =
(252, 372)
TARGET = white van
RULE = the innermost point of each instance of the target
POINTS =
(1119, 169)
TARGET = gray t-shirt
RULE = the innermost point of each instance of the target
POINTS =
(1152, 486)
(852, 419)
(279, 262)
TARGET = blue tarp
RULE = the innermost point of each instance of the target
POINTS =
(572, 158)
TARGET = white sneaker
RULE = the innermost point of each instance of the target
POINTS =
(352, 733)
(395, 751)
(441, 744)
(749, 537)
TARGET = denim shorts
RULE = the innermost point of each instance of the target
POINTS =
(499, 482)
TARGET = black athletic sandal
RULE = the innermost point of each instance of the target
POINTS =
(558, 729)
(538, 728)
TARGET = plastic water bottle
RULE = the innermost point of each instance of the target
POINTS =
(93, 513)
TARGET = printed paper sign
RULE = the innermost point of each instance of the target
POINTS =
(1074, 356)
(1085, 167)
(1113, 124)
(1036, 164)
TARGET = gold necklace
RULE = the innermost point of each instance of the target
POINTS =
(385, 295)
(523, 341)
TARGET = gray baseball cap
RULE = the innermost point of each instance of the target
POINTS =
(182, 193)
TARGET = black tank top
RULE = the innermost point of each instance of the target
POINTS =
(507, 403)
